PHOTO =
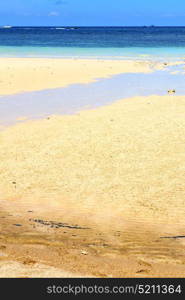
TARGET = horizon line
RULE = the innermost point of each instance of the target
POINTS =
(92, 25)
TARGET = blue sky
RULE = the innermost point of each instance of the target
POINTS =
(92, 12)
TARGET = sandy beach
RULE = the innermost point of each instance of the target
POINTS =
(100, 193)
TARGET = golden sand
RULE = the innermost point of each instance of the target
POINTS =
(14, 269)
(28, 74)
(123, 158)
(117, 170)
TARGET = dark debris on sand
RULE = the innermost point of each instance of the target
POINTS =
(54, 224)
(173, 237)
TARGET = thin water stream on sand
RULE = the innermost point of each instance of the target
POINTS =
(76, 97)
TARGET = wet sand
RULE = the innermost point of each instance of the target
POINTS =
(32, 245)
(100, 193)
(31, 74)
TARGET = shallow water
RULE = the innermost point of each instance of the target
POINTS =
(77, 97)
(113, 53)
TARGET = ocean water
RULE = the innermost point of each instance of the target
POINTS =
(94, 42)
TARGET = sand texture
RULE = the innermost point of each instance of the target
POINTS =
(114, 177)
(29, 74)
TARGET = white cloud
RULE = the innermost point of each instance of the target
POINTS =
(58, 2)
(53, 14)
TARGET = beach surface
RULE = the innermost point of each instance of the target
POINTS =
(100, 193)
(31, 74)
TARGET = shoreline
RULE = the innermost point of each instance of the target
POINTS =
(39, 74)
(141, 58)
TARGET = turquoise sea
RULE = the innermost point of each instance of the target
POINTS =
(94, 42)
